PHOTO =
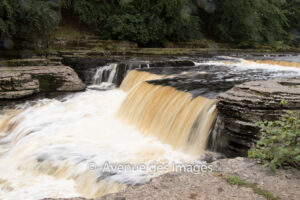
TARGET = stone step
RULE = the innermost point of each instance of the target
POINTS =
(91, 37)
(24, 62)
(55, 58)
(54, 64)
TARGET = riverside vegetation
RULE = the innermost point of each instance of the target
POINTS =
(243, 24)
(279, 142)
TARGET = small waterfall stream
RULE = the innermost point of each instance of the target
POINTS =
(105, 74)
(104, 77)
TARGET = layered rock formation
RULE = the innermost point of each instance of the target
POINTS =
(242, 106)
(20, 82)
(86, 65)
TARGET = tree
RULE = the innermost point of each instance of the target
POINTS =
(142, 21)
(7, 20)
(249, 22)
(293, 15)
(27, 21)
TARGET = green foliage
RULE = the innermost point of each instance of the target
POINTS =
(246, 23)
(280, 142)
(91, 12)
(293, 8)
(235, 180)
(249, 22)
(27, 20)
(7, 20)
(142, 21)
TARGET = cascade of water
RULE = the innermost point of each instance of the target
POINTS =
(105, 74)
(174, 117)
(112, 73)
(134, 77)
(280, 63)
(59, 149)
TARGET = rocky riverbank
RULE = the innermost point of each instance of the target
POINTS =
(224, 183)
(25, 78)
(244, 105)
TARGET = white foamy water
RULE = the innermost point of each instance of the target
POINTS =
(242, 64)
(47, 150)
(106, 72)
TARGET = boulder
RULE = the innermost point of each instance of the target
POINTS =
(19, 82)
(242, 106)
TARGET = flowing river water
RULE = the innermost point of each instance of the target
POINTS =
(62, 149)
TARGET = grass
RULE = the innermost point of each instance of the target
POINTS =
(235, 180)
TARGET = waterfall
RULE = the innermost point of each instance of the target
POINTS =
(58, 149)
(110, 76)
(46, 150)
(105, 74)
(134, 77)
(105, 78)
(172, 116)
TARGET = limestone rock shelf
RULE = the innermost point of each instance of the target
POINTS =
(242, 106)
(22, 81)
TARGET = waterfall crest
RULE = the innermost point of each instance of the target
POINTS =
(134, 77)
(280, 63)
(173, 116)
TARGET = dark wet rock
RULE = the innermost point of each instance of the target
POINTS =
(210, 157)
(20, 82)
(86, 66)
(173, 63)
(245, 104)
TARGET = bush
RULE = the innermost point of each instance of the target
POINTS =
(280, 142)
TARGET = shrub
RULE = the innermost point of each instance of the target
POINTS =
(280, 142)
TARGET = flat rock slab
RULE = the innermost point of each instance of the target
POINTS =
(19, 82)
(27, 62)
(284, 184)
(186, 186)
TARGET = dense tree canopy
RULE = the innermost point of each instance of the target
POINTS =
(293, 8)
(143, 21)
(249, 22)
(246, 23)
(26, 20)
